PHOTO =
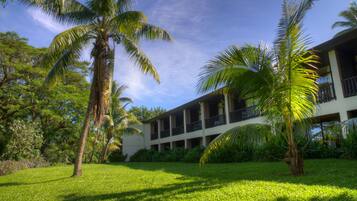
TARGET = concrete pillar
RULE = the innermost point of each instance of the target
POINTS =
(170, 120)
(204, 141)
(336, 75)
(184, 121)
(226, 107)
(202, 111)
(186, 144)
(158, 127)
(171, 145)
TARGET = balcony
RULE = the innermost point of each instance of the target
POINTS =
(215, 121)
(178, 130)
(194, 126)
(326, 93)
(154, 136)
(165, 133)
(350, 86)
(244, 114)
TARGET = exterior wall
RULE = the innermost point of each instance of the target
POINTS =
(340, 105)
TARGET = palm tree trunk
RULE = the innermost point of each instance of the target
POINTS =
(105, 152)
(82, 141)
(93, 147)
(294, 158)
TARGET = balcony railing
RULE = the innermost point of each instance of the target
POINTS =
(215, 121)
(194, 126)
(350, 86)
(326, 93)
(178, 130)
(165, 133)
(154, 136)
(244, 114)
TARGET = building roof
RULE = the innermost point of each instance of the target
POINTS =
(323, 47)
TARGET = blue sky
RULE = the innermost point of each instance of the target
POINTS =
(201, 29)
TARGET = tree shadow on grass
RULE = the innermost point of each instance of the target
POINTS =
(340, 197)
(157, 194)
(333, 173)
(8, 184)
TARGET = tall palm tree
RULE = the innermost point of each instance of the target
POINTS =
(350, 16)
(282, 81)
(102, 24)
(118, 121)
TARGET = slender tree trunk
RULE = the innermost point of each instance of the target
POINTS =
(82, 141)
(293, 157)
(105, 152)
(93, 147)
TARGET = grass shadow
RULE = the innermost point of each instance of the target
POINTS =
(8, 184)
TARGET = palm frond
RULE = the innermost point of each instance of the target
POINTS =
(66, 11)
(248, 136)
(152, 32)
(141, 60)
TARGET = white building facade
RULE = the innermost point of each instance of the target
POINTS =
(198, 122)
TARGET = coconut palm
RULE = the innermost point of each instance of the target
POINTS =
(118, 121)
(99, 24)
(282, 81)
(350, 18)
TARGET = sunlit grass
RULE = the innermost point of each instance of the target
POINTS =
(324, 180)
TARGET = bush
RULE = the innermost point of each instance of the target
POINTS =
(11, 166)
(193, 155)
(117, 156)
(143, 155)
(349, 144)
(25, 141)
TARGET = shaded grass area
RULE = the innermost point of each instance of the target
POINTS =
(324, 180)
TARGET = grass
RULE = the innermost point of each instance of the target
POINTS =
(324, 180)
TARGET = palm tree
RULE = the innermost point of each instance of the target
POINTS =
(101, 24)
(118, 122)
(350, 16)
(282, 81)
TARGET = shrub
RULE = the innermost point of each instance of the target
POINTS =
(143, 155)
(117, 156)
(25, 141)
(193, 155)
(11, 166)
(349, 144)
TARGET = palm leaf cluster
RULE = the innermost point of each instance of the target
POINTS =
(350, 19)
(281, 80)
(99, 24)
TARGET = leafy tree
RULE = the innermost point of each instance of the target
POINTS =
(118, 122)
(23, 96)
(25, 142)
(282, 81)
(143, 113)
(102, 23)
(350, 17)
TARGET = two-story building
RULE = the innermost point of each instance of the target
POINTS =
(198, 122)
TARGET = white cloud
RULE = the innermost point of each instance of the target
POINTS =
(46, 21)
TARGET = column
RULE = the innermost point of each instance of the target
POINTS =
(158, 130)
(202, 110)
(186, 144)
(184, 122)
(226, 107)
(336, 75)
(170, 120)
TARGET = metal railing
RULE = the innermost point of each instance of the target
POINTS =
(178, 130)
(194, 126)
(215, 121)
(165, 133)
(350, 86)
(326, 93)
(244, 114)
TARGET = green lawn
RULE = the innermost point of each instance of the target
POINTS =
(324, 180)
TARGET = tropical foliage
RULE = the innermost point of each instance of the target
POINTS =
(282, 81)
(350, 19)
(143, 113)
(101, 24)
(23, 97)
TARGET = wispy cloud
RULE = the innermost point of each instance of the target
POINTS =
(46, 21)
